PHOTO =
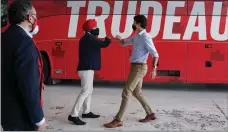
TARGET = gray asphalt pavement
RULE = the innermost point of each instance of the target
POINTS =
(179, 107)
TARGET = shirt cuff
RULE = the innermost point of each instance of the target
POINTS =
(41, 122)
(155, 54)
(123, 42)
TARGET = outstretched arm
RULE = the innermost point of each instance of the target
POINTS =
(124, 42)
(100, 43)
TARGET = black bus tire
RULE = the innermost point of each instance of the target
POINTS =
(46, 71)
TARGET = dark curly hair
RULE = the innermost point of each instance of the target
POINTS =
(18, 11)
(142, 20)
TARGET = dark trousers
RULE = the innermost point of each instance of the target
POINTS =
(18, 128)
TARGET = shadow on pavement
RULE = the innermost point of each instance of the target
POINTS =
(160, 86)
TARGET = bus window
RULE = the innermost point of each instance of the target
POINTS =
(3, 13)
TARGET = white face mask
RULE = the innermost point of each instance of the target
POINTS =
(35, 31)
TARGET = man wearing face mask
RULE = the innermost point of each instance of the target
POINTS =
(89, 61)
(21, 71)
(142, 46)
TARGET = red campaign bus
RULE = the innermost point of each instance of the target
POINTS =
(191, 37)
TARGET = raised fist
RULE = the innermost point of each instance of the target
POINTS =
(108, 37)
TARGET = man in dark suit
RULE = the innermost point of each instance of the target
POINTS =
(89, 61)
(21, 108)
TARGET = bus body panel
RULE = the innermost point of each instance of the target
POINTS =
(209, 66)
(191, 37)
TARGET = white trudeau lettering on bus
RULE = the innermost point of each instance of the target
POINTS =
(198, 8)
(170, 20)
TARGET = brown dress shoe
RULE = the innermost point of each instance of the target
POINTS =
(113, 124)
(148, 118)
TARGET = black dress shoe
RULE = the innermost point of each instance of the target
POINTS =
(76, 120)
(90, 115)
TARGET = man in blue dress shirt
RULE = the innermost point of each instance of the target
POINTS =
(142, 46)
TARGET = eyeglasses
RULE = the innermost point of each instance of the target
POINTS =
(34, 15)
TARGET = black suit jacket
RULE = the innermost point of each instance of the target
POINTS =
(90, 52)
(20, 90)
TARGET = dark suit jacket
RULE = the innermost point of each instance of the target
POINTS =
(20, 90)
(90, 52)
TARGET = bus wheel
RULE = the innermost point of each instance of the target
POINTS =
(46, 70)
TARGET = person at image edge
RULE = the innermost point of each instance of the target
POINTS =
(22, 76)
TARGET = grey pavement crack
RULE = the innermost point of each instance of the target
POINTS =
(217, 106)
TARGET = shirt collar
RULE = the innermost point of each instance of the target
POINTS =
(141, 32)
(30, 35)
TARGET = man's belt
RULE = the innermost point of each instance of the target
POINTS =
(134, 63)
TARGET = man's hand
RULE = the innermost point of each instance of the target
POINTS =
(153, 73)
(118, 38)
(42, 127)
(108, 37)
(43, 86)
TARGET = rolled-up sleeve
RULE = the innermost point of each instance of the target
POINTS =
(128, 41)
(149, 45)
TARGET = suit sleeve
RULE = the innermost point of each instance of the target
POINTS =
(100, 43)
(27, 73)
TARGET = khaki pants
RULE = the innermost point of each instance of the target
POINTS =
(134, 86)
